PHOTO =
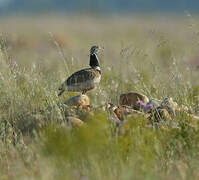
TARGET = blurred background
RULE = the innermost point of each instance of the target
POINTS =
(98, 6)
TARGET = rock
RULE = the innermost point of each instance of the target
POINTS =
(159, 114)
(129, 112)
(67, 110)
(173, 108)
(80, 101)
(74, 122)
(115, 111)
(110, 107)
(122, 112)
(154, 102)
(131, 99)
(168, 102)
(183, 108)
(162, 110)
(194, 117)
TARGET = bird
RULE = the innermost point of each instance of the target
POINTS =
(85, 79)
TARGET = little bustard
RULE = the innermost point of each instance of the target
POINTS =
(85, 79)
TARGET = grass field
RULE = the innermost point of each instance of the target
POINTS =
(156, 56)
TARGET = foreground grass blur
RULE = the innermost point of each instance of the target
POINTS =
(148, 56)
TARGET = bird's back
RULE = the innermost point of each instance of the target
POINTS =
(82, 80)
(81, 76)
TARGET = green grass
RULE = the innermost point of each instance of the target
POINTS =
(141, 54)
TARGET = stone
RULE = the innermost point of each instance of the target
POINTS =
(80, 101)
(114, 111)
(131, 99)
(74, 122)
(159, 114)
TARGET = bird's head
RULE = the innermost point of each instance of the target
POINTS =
(95, 49)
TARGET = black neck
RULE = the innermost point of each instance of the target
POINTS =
(94, 62)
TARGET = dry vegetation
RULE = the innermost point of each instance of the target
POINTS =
(153, 56)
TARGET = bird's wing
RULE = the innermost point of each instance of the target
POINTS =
(81, 76)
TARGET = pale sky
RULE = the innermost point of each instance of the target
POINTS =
(4, 2)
